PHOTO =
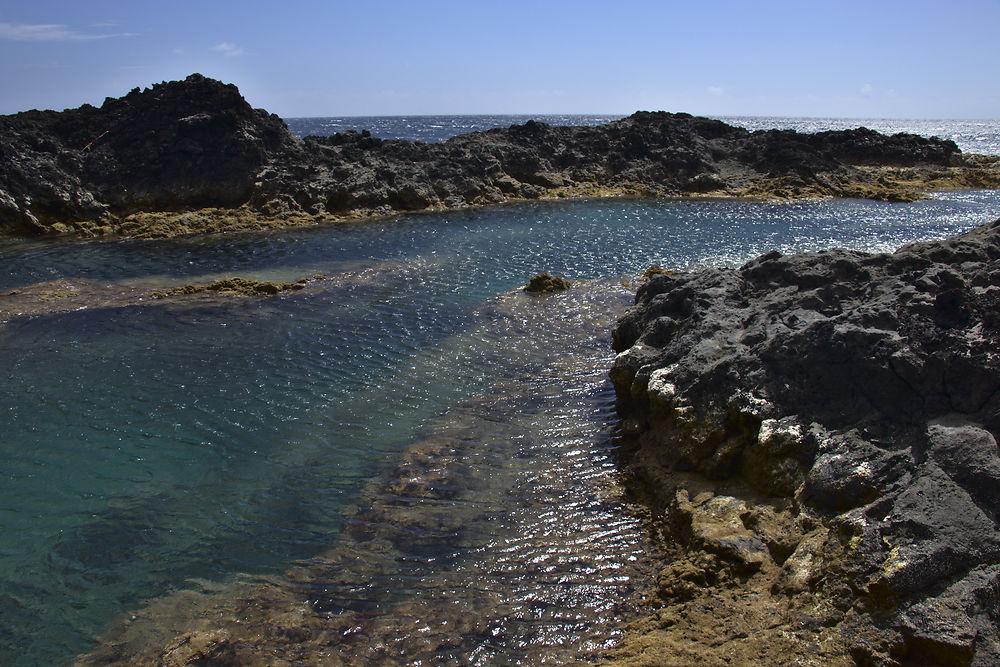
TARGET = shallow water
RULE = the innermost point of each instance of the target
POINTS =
(149, 445)
(500, 536)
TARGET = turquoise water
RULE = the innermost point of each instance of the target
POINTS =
(148, 445)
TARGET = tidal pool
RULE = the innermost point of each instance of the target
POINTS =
(404, 444)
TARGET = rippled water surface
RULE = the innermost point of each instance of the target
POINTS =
(429, 128)
(972, 135)
(407, 437)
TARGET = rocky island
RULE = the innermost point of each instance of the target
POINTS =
(193, 156)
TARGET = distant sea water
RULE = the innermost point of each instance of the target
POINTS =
(972, 136)
(430, 129)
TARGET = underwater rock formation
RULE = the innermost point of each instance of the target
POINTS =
(238, 286)
(192, 156)
(819, 435)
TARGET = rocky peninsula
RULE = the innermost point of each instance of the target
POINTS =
(817, 434)
(193, 156)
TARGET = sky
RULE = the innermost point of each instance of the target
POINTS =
(872, 59)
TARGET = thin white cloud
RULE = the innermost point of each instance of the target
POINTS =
(718, 91)
(228, 49)
(50, 32)
(867, 89)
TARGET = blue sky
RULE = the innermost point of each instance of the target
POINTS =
(379, 57)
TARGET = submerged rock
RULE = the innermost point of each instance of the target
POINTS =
(455, 553)
(238, 286)
(855, 396)
(182, 146)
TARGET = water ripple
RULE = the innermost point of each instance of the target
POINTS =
(149, 444)
(500, 537)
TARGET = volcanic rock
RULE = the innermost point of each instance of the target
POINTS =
(182, 146)
(191, 143)
(238, 286)
(856, 396)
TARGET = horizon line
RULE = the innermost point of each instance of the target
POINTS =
(625, 115)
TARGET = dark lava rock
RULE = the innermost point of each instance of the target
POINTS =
(197, 143)
(543, 282)
(190, 143)
(864, 388)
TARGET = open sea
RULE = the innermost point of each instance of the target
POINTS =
(411, 449)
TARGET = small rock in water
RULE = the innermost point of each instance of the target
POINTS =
(543, 283)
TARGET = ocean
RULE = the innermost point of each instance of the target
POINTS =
(410, 450)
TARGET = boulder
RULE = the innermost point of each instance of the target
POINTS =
(191, 143)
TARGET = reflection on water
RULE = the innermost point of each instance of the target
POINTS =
(148, 445)
(500, 537)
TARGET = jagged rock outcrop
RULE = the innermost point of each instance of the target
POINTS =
(646, 154)
(197, 144)
(822, 430)
(178, 145)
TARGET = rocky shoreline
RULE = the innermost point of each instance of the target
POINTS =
(192, 156)
(817, 434)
